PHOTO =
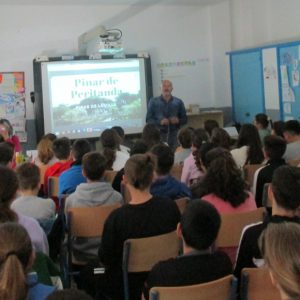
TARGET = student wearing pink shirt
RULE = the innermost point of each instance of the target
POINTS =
(223, 185)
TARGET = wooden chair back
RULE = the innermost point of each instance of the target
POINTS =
(182, 204)
(110, 175)
(256, 285)
(176, 171)
(233, 224)
(266, 201)
(221, 289)
(249, 171)
(140, 255)
(53, 186)
(144, 253)
(125, 193)
(43, 169)
(88, 222)
(294, 162)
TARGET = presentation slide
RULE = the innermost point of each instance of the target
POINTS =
(82, 98)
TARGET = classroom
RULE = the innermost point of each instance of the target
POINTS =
(232, 64)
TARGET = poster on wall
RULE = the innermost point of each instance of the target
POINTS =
(12, 101)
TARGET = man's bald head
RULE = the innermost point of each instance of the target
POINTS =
(166, 89)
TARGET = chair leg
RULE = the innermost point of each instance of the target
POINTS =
(126, 249)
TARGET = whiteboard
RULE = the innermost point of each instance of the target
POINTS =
(191, 79)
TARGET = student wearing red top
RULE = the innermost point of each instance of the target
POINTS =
(6, 130)
(61, 149)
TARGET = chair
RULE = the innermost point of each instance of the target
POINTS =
(176, 171)
(140, 255)
(85, 222)
(249, 171)
(125, 193)
(53, 186)
(110, 175)
(233, 224)
(294, 162)
(266, 201)
(221, 289)
(256, 285)
(43, 169)
(182, 204)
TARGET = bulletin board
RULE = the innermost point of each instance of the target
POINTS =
(12, 101)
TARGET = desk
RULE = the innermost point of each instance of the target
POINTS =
(197, 120)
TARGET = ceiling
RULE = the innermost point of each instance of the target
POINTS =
(108, 2)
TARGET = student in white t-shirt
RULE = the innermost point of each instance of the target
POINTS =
(110, 139)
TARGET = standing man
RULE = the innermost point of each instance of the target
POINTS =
(167, 113)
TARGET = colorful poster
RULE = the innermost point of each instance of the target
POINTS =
(12, 101)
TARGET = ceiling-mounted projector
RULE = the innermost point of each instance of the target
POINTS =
(110, 41)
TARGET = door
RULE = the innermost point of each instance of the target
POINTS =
(247, 86)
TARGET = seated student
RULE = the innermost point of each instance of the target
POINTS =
(144, 216)
(200, 160)
(45, 155)
(94, 192)
(121, 133)
(248, 148)
(8, 190)
(6, 155)
(61, 149)
(16, 260)
(274, 148)
(280, 244)
(151, 135)
(164, 184)
(261, 122)
(220, 138)
(7, 131)
(284, 193)
(223, 185)
(185, 141)
(190, 172)
(69, 179)
(139, 147)
(210, 125)
(277, 128)
(110, 139)
(291, 133)
(28, 204)
(110, 157)
(69, 294)
(198, 229)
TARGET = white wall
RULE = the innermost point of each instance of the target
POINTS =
(260, 22)
(167, 32)
(220, 44)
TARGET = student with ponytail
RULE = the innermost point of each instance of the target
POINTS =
(8, 191)
(279, 245)
(144, 216)
(16, 259)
